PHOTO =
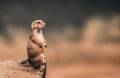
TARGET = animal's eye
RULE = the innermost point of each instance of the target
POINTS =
(34, 27)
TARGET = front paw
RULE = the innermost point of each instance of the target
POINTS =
(45, 46)
(24, 61)
(41, 46)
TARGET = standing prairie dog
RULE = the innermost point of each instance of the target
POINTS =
(36, 45)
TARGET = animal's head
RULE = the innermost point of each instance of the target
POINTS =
(37, 24)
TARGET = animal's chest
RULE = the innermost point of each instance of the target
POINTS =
(39, 37)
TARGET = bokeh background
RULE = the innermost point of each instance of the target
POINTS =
(83, 36)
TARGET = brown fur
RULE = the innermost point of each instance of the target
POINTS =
(36, 45)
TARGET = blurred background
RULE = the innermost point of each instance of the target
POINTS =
(83, 36)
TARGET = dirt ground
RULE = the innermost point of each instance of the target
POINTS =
(13, 69)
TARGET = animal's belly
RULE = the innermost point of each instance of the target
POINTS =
(34, 50)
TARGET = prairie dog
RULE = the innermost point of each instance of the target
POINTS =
(36, 45)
